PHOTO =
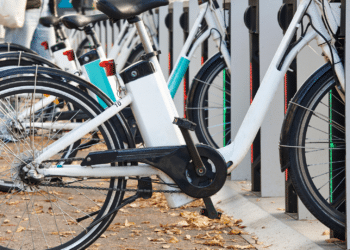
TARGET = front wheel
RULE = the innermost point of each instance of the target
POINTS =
(316, 148)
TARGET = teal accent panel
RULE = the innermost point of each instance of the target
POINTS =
(65, 4)
(99, 78)
(177, 76)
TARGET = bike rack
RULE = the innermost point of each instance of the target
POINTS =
(346, 22)
(163, 41)
(184, 23)
(290, 87)
(251, 19)
(240, 92)
(334, 157)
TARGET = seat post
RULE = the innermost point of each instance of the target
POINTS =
(92, 34)
(146, 42)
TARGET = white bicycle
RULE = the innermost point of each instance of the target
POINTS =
(35, 163)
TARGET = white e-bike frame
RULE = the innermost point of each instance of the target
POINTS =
(162, 107)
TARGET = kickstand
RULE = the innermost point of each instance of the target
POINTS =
(210, 210)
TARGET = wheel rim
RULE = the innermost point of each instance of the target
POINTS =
(215, 110)
(321, 151)
(48, 216)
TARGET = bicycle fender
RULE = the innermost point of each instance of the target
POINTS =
(67, 77)
(6, 47)
(288, 118)
(26, 58)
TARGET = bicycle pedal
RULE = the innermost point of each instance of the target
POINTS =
(184, 123)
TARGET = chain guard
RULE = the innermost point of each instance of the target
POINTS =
(174, 161)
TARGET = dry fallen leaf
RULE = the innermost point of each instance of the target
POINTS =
(145, 222)
(173, 240)
(332, 240)
(235, 232)
(214, 242)
(166, 246)
(326, 232)
(64, 234)
(156, 240)
(6, 221)
(182, 223)
(187, 237)
(20, 229)
(240, 247)
(128, 224)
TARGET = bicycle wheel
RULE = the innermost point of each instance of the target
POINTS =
(35, 215)
(135, 55)
(316, 148)
(209, 104)
(84, 46)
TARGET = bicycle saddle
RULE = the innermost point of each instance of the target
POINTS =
(125, 9)
(77, 21)
(49, 21)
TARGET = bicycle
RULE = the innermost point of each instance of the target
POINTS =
(218, 65)
(185, 172)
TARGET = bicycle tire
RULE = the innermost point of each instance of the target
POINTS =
(24, 88)
(84, 47)
(7, 47)
(204, 91)
(315, 144)
(135, 55)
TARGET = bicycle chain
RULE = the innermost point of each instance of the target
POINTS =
(112, 189)
(67, 159)
(101, 188)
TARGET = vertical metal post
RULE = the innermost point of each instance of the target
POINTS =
(347, 115)
(196, 60)
(240, 92)
(184, 22)
(177, 44)
(270, 36)
(286, 13)
(169, 25)
(163, 41)
(251, 19)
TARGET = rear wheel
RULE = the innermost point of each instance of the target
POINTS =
(84, 46)
(209, 103)
(37, 213)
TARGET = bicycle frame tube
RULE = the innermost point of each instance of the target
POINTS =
(82, 130)
(236, 151)
(189, 47)
(128, 46)
(123, 37)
